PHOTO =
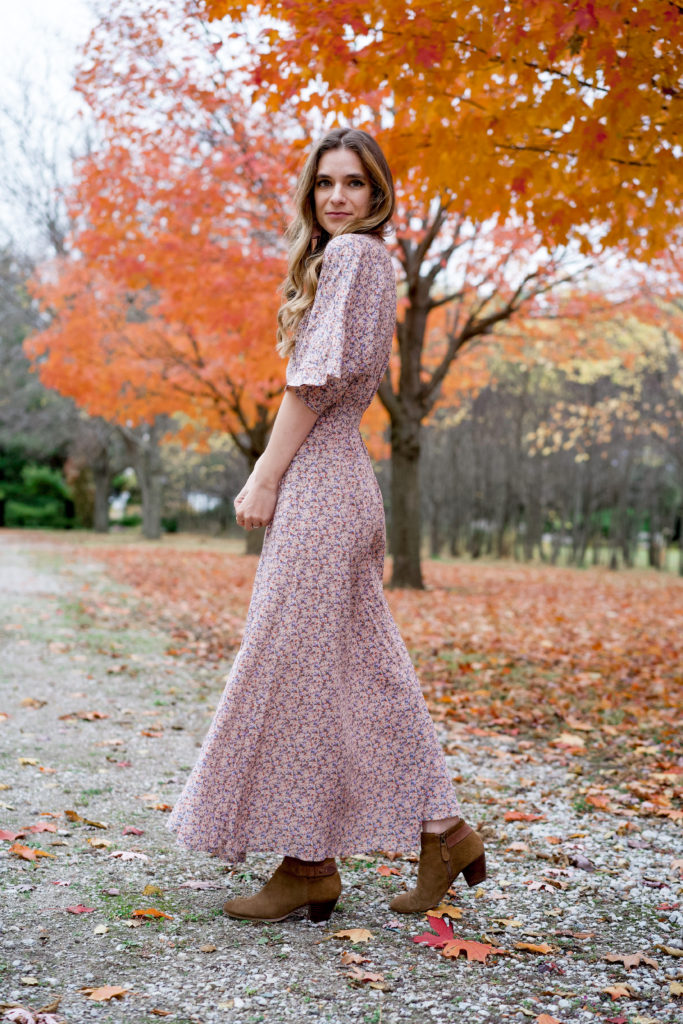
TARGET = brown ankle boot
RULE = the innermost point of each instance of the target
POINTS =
(295, 883)
(442, 857)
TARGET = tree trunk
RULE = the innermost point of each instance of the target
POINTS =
(102, 479)
(405, 505)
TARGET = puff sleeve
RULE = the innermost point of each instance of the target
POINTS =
(336, 340)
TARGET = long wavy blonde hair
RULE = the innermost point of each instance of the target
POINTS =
(303, 269)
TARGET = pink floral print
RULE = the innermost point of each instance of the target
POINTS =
(322, 744)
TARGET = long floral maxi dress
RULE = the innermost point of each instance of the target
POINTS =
(322, 744)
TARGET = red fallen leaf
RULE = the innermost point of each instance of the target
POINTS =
(162, 1013)
(616, 1020)
(131, 830)
(60, 882)
(79, 908)
(444, 933)
(42, 826)
(383, 869)
(668, 906)
(474, 950)
(154, 733)
(9, 837)
(151, 912)
(521, 816)
(124, 764)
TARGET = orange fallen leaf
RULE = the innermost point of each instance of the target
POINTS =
(354, 934)
(632, 959)
(545, 1018)
(619, 991)
(347, 957)
(522, 816)
(79, 908)
(474, 950)
(447, 910)
(384, 869)
(151, 912)
(104, 992)
(29, 852)
(575, 723)
(361, 977)
(532, 947)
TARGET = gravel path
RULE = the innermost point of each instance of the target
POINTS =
(98, 729)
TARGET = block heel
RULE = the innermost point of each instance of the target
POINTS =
(318, 912)
(475, 872)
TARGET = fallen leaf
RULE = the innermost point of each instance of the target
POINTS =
(104, 992)
(619, 991)
(151, 912)
(509, 922)
(41, 826)
(541, 947)
(347, 957)
(128, 855)
(444, 933)
(574, 723)
(545, 1018)
(100, 929)
(162, 1013)
(29, 852)
(474, 950)
(447, 910)
(522, 816)
(79, 908)
(671, 950)
(131, 830)
(364, 977)
(644, 1020)
(569, 740)
(28, 760)
(32, 702)
(99, 844)
(192, 884)
(152, 890)
(29, 979)
(208, 947)
(384, 869)
(9, 837)
(632, 959)
(354, 934)
(676, 988)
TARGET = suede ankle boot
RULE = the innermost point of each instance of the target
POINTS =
(442, 857)
(295, 883)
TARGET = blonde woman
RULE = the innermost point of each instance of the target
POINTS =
(322, 745)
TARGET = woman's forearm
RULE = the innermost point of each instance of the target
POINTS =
(293, 424)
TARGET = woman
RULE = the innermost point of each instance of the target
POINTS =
(322, 744)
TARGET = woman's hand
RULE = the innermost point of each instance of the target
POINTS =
(255, 504)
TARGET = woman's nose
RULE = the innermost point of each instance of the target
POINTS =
(337, 193)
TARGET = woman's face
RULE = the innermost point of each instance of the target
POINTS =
(342, 189)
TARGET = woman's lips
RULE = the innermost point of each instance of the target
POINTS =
(339, 214)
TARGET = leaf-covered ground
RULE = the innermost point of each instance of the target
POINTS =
(556, 694)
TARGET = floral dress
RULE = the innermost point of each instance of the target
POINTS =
(322, 744)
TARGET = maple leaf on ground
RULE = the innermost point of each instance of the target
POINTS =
(354, 934)
(42, 826)
(521, 816)
(632, 959)
(541, 947)
(474, 950)
(105, 992)
(444, 933)
(353, 958)
(29, 852)
(79, 908)
(384, 869)
(619, 991)
(192, 884)
(9, 837)
(447, 910)
(355, 974)
(151, 912)
(131, 830)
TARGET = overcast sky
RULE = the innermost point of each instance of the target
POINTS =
(40, 34)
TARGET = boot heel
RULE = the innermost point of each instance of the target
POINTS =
(318, 912)
(476, 871)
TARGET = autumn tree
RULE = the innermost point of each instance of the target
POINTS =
(552, 115)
